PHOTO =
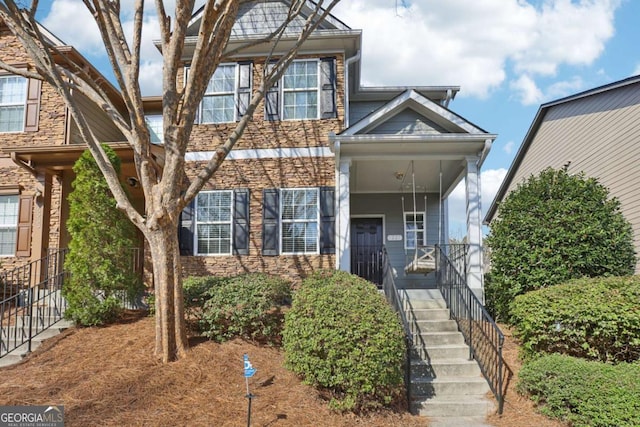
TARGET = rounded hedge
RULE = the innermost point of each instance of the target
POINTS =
(248, 306)
(595, 319)
(584, 393)
(343, 338)
(552, 228)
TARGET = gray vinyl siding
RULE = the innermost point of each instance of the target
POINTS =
(101, 125)
(390, 205)
(360, 110)
(409, 122)
(255, 18)
(600, 136)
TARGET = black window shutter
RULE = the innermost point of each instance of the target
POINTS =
(327, 220)
(328, 108)
(272, 98)
(270, 221)
(186, 229)
(241, 221)
(245, 72)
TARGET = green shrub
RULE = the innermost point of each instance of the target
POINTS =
(590, 318)
(584, 393)
(342, 337)
(552, 228)
(195, 291)
(247, 306)
(99, 259)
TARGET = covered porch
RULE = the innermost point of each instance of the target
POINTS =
(395, 170)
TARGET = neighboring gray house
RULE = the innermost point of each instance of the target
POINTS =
(596, 132)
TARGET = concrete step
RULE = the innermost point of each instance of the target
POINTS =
(43, 322)
(430, 352)
(426, 303)
(458, 422)
(445, 368)
(10, 359)
(19, 332)
(434, 326)
(447, 406)
(448, 386)
(442, 338)
(431, 314)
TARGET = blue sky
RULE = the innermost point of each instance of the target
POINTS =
(508, 56)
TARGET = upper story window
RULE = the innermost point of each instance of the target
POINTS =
(300, 90)
(307, 90)
(299, 217)
(218, 104)
(8, 224)
(213, 222)
(13, 97)
(414, 230)
(154, 124)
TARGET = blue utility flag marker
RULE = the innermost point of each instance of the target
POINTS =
(249, 370)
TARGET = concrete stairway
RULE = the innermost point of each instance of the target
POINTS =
(45, 314)
(446, 386)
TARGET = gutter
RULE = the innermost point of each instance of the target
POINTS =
(347, 63)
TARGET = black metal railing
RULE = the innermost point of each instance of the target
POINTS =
(396, 301)
(367, 261)
(31, 300)
(480, 331)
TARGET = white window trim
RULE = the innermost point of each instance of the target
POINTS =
(282, 91)
(423, 229)
(234, 93)
(23, 103)
(161, 124)
(230, 222)
(282, 222)
(10, 227)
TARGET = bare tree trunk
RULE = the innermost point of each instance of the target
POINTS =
(171, 335)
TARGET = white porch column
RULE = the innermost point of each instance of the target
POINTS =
(344, 215)
(474, 228)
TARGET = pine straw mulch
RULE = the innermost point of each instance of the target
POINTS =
(109, 376)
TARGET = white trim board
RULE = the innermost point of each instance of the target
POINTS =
(262, 153)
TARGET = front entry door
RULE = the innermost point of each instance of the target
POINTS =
(366, 248)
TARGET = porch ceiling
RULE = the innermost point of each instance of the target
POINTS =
(383, 163)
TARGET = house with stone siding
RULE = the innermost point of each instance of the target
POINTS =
(329, 174)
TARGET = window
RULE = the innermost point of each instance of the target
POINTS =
(218, 104)
(299, 217)
(154, 123)
(413, 230)
(13, 96)
(213, 222)
(300, 90)
(8, 224)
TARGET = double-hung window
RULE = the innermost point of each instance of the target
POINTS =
(414, 228)
(154, 124)
(219, 104)
(213, 216)
(300, 90)
(299, 218)
(8, 224)
(13, 96)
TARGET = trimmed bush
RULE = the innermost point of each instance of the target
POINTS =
(552, 228)
(584, 393)
(343, 338)
(595, 319)
(195, 291)
(102, 238)
(247, 306)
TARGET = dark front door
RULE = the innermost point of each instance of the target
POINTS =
(366, 248)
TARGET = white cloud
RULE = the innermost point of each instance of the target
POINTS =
(72, 23)
(491, 179)
(508, 147)
(476, 45)
(526, 90)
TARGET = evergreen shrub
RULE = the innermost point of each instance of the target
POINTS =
(583, 393)
(596, 319)
(343, 338)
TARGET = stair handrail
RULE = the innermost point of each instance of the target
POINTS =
(480, 331)
(392, 294)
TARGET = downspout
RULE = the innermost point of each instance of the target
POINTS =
(347, 63)
(448, 98)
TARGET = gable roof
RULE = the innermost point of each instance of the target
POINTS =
(411, 99)
(533, 130)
